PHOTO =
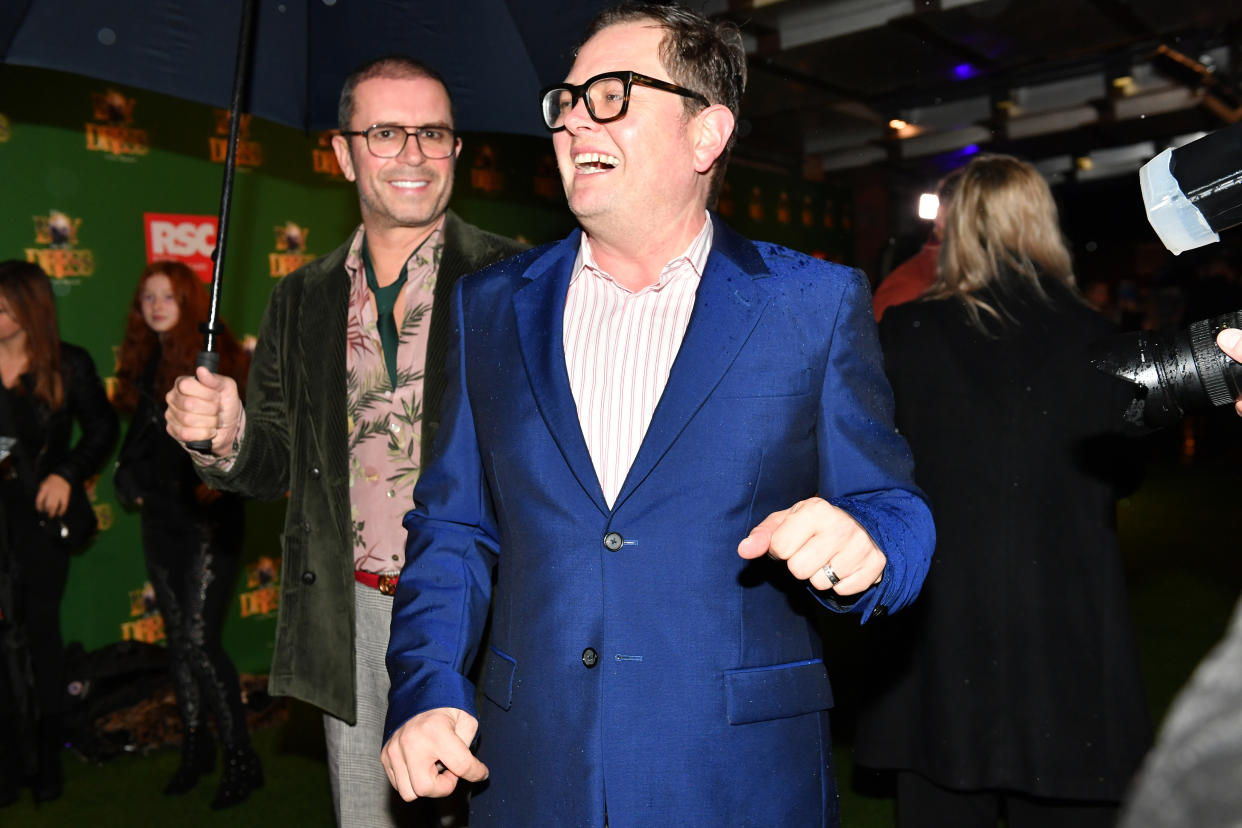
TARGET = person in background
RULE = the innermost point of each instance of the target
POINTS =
(191, 534)
(671, 446)
(48, 386)
(343, 401)
(911, 278)
(1011, 689)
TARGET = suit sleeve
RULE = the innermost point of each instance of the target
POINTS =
(261, 467)
(445, 588)
(865, 464)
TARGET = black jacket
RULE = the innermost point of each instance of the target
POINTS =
(85, 402)
(297, 441)
(1016, 669)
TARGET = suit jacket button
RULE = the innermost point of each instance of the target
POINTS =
(613, 541)
(880, 611)
(589, 657)
(314, 472)
(308, 577)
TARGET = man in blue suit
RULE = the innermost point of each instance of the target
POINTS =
(624, 407)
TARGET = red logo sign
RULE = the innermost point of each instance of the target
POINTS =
(189, 239)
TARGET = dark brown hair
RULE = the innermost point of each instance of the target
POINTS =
(179, 346)
(28, 292)
(702, 55)
(391, 67)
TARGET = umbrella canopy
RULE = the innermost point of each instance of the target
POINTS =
(495, 54)
(288, 63)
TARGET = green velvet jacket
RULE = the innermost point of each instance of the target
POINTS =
(296, 441)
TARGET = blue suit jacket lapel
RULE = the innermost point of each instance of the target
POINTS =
(727, 307)
(539, 306)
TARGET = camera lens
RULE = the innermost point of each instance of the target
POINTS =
(1174, 372)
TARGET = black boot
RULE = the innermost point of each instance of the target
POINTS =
(243, 774)
(9, 777)
(49, 779)
(198, 757)
(11, 773)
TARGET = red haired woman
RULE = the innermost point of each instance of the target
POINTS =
(47, 386)
(191, 535)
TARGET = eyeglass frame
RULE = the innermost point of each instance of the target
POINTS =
(577, 92)
(408, 130)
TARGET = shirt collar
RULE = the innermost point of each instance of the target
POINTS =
(354, 265)
(695, 255)
(353, 259)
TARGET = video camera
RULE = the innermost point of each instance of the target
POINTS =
(1191, 194)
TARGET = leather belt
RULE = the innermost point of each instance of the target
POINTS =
(386, 584)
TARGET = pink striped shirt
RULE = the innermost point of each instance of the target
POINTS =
(619, 349)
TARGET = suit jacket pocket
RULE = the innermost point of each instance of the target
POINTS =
(785, 382)
(778, 691)
(498, 678)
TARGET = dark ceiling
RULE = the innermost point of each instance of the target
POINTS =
(1081, 88)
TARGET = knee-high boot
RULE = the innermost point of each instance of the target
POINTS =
(243, 774)
(198, 757)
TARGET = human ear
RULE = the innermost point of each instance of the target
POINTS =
(715, 127)
(340, 145)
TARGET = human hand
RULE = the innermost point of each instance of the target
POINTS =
(813, 534)
(205, 406)
(1230, 341)
(52, 499)
(429, 753)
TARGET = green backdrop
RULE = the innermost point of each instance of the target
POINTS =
(83, 161)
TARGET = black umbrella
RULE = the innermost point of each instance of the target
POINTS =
(494, 54)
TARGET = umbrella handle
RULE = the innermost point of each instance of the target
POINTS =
(211, 361)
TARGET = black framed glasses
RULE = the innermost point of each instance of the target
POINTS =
(607, 97)
(388, 140)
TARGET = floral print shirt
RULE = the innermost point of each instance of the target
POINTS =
(385, 423)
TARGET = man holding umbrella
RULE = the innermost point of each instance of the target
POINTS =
(343, 401)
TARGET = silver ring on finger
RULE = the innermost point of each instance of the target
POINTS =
(833, 577)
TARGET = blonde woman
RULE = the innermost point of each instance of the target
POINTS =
(1012, 688)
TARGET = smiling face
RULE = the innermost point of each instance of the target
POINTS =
(641, 168)
(159, 304)
(409, 191)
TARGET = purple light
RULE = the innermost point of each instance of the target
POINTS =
(964, 71)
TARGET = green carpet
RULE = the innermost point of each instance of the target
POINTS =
(1185, 573)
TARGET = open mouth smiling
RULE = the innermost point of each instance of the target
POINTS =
(589, 163)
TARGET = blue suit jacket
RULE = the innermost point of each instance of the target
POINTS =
(665, 680)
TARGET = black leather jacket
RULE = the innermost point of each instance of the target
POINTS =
(87, 403)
